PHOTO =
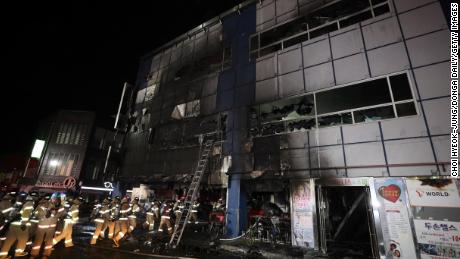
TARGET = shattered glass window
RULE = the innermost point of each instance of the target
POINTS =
(336, 119)
(140, 96)
(186, 110)
(374, 114)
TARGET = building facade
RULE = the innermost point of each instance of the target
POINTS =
(312, 97)
(76, 153)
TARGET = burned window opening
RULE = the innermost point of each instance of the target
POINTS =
(186, 110)
(367, 101)
(329, 18)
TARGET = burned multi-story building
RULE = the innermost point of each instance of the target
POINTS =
(321, 107)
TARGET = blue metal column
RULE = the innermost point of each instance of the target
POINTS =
(235, 94)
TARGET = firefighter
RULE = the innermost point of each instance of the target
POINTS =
(122, 222)
(101, 220)
(105, 210)
(39, 201)
(19, 229)
(152, 215)
(33, 221)
(48, 213)
(6, 206)
(61, 221)
(71, 218)
(165, 217)
(135, 209)
(114, 214)
(178, 206)
(194, 212)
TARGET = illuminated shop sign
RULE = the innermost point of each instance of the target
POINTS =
(67, 183)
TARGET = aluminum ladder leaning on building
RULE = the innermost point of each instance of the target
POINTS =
(191, 194)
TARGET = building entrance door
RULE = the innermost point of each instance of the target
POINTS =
(345, 221)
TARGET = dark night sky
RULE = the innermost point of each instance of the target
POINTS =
(78, 54)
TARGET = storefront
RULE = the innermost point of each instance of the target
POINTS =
(377, 217)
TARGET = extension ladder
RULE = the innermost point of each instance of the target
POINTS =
(191, 194)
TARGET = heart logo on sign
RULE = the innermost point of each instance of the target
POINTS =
(390, 192)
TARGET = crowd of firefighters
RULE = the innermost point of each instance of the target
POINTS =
(40, 222)
(119, 216)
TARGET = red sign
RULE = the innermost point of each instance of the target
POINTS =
(68, 183)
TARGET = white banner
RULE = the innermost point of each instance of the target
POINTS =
(433, 192)
(302, 207)
(438, 239)
(397, 233)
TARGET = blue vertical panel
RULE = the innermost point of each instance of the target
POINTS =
(237, 28)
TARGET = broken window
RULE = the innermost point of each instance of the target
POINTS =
(186, 110)
(330, 17)
(140, 96)
(376, 99)
(336, 119)
(150, 92)
(374, 114)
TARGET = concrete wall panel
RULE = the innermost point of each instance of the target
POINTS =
(429, 49)
(351, 69)
(291, 84)
(319, 77)
(382, 33)
(266, 68)
(388, 59)
(266, 90)
(289, 61)
(433, 81)
(316, 53)
(423, 20)
(346, 44)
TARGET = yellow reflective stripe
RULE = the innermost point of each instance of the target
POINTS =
(7, 210)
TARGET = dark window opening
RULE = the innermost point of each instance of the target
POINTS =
(270, 49)
(406, 109)
(355, 19)
(373, 114)
(355, 96)
(381, 10)
(400, 87)
(324, 30)
(296, 40)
